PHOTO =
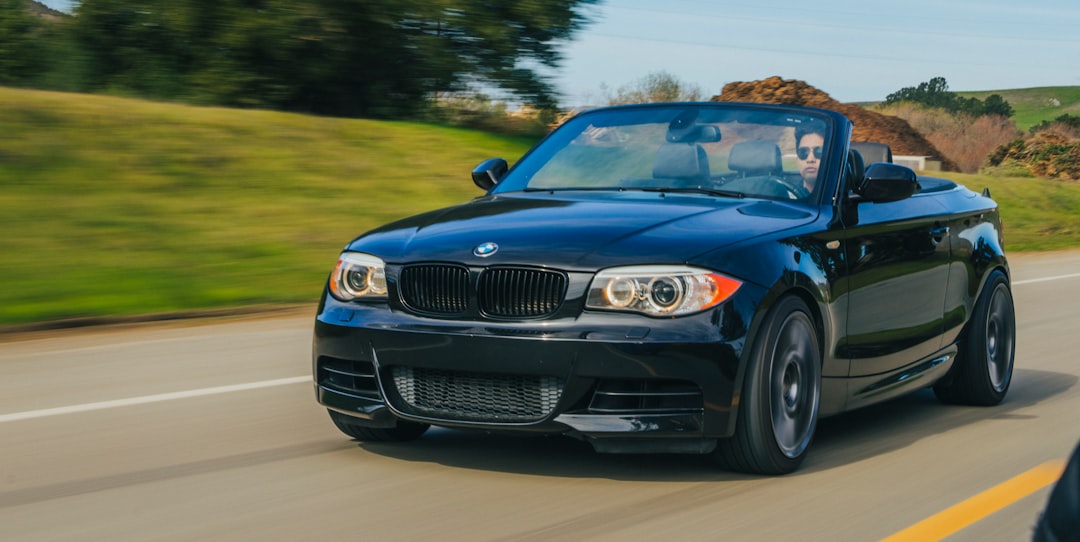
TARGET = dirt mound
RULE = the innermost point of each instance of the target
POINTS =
(869, 125)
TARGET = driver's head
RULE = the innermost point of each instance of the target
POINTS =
(809, 145)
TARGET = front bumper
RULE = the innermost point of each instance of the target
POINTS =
(624, 383)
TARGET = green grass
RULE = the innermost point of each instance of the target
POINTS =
(1034, 105)
(1039, 214)
(112, 206)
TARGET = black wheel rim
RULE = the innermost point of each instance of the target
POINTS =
(794, 385)
(999, 339)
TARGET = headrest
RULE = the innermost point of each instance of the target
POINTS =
(857, 169)
(755, 158)
(681, 161)
(873, 152)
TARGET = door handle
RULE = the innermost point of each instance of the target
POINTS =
(937, 233)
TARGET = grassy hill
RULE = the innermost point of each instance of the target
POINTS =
(1030, 105)
(112, 206)
(1034, 105)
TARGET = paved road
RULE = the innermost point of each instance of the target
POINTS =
(128, 434)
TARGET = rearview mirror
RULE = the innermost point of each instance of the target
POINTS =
(884, 182)
(698, 133)
(489, 173)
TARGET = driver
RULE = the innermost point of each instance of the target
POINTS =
(809, 145)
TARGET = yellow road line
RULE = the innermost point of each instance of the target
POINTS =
(966, 512)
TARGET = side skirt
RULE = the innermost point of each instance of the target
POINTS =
(867, 390)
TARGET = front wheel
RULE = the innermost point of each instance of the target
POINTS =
(984, 363)
(778, 410)
(402, 432)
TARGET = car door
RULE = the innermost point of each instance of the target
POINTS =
(897, 257)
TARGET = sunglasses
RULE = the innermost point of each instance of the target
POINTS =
(804, 152)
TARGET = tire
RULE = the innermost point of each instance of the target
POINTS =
(983, 368)
(404, 431)
(778, 410)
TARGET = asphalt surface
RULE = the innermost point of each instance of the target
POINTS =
(210, 431)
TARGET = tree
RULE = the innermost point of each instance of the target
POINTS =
(19, 48)
(345, 57)
(994, 104)
(655, 87)
(935, 93)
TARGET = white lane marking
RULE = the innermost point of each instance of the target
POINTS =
(1047, 279)
(129, 344)
(87, 407)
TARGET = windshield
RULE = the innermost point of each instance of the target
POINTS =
(722, 149)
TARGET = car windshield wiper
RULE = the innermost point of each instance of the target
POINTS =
(674, 190)
(575, 189)
(694, 190)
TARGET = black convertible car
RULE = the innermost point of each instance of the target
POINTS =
(676, 278)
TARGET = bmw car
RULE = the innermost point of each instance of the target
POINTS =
(698, 278)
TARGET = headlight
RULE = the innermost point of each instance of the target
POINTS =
(659, 290)
(358, 276)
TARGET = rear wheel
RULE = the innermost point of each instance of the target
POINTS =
(778, 410)
(402, 432)
(984, 363)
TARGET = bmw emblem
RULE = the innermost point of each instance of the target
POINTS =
(485, 249)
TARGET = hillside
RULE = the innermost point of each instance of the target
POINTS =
(114, 206)
(1034, 105)
(41, 10)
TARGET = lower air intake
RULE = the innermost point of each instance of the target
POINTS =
(476, 397)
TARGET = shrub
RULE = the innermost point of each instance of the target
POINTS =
(481, 112)
(1066, 124)
(964, 139)
(655, 87)
(1049, 154)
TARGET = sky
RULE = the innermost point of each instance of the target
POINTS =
(855, 50)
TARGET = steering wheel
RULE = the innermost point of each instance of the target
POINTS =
(793, 191)
(770, 186)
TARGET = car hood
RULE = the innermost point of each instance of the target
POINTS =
(580, 230)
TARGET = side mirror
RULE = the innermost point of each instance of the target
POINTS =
(489, 173)
(885, 182)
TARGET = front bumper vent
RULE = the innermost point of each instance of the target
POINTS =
(646, 397)
(356, 378)
(476, 397)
